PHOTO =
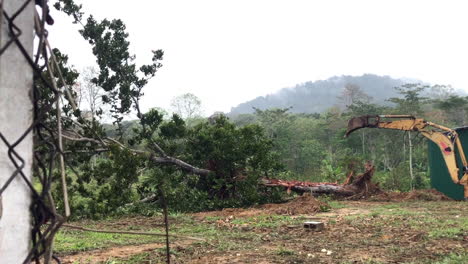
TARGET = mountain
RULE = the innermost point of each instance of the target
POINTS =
(315, 97)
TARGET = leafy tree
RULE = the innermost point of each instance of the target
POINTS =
(352, 94)
(455, 108)
(411, 101)
(440, 92)
(237, 156)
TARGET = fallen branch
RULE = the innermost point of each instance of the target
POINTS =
(361, 185)
(151, 156)
(150, 198)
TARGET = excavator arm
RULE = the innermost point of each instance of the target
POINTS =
(443, 137)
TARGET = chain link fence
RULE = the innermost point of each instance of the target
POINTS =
(46, 141)
(48, 155)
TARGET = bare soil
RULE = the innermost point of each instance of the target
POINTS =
(96, 256)
(416, 195)
(302, 205)
(353, 234)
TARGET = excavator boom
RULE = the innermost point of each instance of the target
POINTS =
(444, 137)
(407, 122)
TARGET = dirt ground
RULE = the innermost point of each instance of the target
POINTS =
(416, 195)
(414, 227)
(96, 256)
(300, 205)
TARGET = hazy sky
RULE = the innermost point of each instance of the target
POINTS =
(228, 52)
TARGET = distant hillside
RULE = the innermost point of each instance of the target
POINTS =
(315, 97)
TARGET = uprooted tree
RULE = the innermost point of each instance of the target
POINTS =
(354, 186)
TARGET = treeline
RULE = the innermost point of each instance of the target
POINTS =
(313, 148)
(319, 96)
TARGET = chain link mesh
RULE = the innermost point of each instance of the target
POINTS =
(48, 153)
(46, 144)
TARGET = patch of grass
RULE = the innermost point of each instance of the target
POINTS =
(350, 218)
(447, 232)
(437, 223)
(394, 211)
(453, 258)
(438, 226)
(391, 206)
(268, 221)
(67, 241)
(284, 252)
(213, 218)
(336, 204)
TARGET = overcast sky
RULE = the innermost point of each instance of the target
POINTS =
(228, 52)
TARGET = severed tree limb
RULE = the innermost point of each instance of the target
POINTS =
(325, 189)
(360, 185)
(181, 164)
(95, 151)
(147, 199)
(151, 156)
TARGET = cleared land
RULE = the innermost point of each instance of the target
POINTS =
(402, 231)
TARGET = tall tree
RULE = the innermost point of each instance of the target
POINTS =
(352, 94)
(455, 109)
(187, 105)
(410, 101)
(90, 93)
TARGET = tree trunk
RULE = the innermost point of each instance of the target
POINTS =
(361, 185)
(410, 147)
(363, 143)
(15, 117)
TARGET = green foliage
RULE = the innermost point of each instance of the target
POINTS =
(454, 108)
(103, 187)
(453, 258)
(237, 156)
(411, 103)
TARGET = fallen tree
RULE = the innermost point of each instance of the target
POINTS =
(353, 186)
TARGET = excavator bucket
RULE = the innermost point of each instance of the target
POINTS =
(358, 122)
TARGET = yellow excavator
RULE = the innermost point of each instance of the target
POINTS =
(443, 137)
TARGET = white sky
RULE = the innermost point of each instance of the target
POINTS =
(228, 52)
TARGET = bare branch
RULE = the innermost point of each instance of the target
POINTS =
(160, 160)
(86, 151)
(182, 164)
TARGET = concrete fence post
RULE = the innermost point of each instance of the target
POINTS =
(16, 80)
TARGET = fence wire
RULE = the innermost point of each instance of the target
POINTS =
(48, 151)
(42, 205)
